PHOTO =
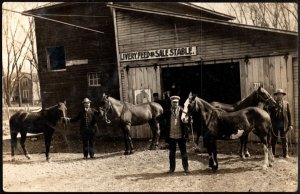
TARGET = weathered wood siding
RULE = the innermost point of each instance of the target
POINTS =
(142, 32)
(71, 84)
(273, 72)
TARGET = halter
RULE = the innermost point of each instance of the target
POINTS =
(105, 110)
(258, 96)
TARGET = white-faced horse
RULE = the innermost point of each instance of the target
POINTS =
(232, 125)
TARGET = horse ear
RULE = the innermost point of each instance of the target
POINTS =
(65, 102)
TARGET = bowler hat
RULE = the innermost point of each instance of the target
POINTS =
(175, 98)
(279, 91)
(85, 100)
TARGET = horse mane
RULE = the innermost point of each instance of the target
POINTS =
(246, 101)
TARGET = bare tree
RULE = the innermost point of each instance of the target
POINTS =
(274, 15)
(17, 51)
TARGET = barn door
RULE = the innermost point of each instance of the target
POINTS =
(269, 72)
(138, 85)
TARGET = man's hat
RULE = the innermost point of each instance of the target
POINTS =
(85, 100)
(175, 98)
(279, 91)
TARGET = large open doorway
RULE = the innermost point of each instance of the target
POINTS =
(214, 82)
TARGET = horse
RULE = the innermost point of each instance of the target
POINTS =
(229, 125)
(132, 115)
(43, 121)
(258, 98)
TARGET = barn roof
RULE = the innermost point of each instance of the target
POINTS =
(204, 19)
(210, 16)
(191, 7)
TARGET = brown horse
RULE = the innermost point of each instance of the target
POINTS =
(43, 121)
(132, 115)
(223, 125)
(258, 98)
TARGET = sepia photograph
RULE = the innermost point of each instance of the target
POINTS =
(150, 96)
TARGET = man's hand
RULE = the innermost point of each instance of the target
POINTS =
(66, 120)
(290, 128)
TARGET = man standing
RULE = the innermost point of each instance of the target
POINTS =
(88, 122)
(281, 121)
(176, 135)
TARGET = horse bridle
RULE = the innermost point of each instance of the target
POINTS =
(261, 97)
(105, 110)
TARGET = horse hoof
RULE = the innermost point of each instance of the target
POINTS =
(28, 156)
(197, 150)
(270, 165)
(247, 155)
(265, 167)
(49, 159)
(131, 152)
(214, 168)
(126, 153)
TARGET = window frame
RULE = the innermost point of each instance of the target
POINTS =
(95, 80)
(49, 62)
(25, 94)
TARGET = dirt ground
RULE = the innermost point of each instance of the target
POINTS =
(144, 170)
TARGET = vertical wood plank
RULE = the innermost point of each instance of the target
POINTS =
(243, 78)
(272, 81)
(266, 74)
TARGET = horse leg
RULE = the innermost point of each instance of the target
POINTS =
(22, 142)
(242, 153)
(154, 125)
(48, 137)
(211, 145)
(13, 143)
(197, 149)
(247, 154)
(264, 140)
(129, 139)
(125, 141)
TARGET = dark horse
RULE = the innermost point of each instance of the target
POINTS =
(258, 98)
(223, 125)
(132, 115)
(43, 121)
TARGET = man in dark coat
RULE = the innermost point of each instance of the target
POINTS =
(281, 121)
(176, 134)
(88, 121)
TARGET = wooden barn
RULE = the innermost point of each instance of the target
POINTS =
(137, 49)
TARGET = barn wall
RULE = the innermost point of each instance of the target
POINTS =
(79, 44)
(143, 32)
(272, 72)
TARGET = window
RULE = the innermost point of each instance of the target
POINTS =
(25, 93)
(25, 82)
(56, 58)
(94, 79)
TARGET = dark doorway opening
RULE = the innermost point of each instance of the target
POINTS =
(214, 82)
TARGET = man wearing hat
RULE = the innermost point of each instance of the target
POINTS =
(176, 134)
(281, 121)
(88, 121)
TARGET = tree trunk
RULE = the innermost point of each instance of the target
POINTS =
(19, 89)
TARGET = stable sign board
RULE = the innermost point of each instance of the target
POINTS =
(159, 53)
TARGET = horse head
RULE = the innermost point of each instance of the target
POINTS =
(264, 96)
(61, 110)
(105, 106)
(189, 107)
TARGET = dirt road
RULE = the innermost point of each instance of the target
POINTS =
(144, 170)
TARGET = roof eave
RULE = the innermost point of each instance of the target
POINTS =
(209, 20)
